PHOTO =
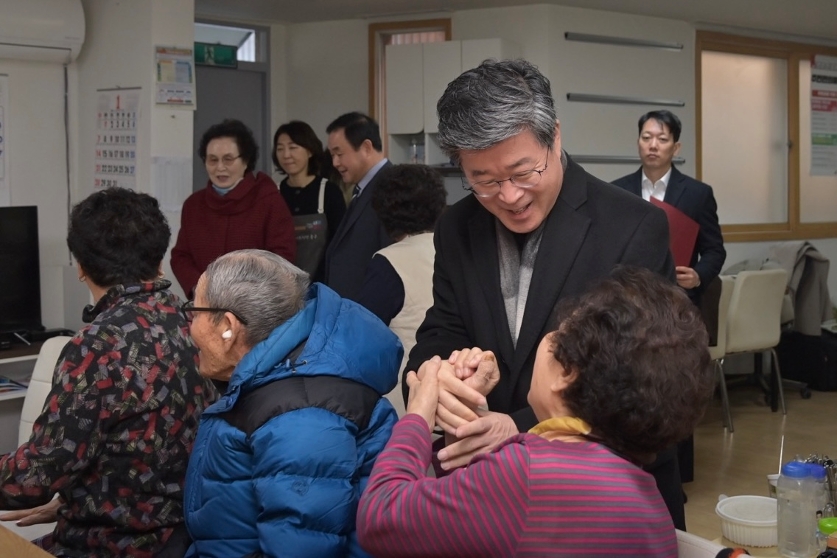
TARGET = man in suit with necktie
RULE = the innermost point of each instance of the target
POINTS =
(354, 143)
(659, 142)
(537, 229)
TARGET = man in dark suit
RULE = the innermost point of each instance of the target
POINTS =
(354, 143)
(659, 142)
(538, 229)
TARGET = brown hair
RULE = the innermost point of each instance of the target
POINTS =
(639, 349)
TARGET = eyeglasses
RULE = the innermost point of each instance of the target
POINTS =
(188, 311)
(525, 179)
(226, 159)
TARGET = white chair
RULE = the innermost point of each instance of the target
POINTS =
(692, 546)
(33, 405)
(753, 321)
(39, 385)
(718, 351)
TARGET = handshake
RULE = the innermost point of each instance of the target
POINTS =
(451, 394)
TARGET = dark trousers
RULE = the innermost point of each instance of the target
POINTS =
(667, 474)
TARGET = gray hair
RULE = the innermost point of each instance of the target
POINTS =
(493, 102)
(262, 288)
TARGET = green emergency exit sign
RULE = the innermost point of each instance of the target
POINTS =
(216, 55)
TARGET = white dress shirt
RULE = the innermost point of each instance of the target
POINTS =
(657, 189)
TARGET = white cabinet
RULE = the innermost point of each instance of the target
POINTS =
(442, 63)
(404, 89)
(416, 77)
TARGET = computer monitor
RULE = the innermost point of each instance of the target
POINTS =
(20, 276)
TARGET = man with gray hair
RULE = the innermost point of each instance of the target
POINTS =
(538, 229)
(281, 459)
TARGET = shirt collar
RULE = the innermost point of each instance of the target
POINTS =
(658, 189)
(370, 174)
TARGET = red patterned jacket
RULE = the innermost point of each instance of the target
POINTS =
(117, 429)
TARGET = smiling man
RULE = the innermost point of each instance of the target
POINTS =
(536, 230)
(354, 143)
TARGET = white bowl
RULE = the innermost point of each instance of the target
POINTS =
(748, 520)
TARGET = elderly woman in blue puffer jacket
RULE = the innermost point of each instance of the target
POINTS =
(281, 459)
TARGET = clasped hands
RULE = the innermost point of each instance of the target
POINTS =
(451, 394)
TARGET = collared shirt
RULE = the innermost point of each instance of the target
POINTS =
(370, 174)
(658, 189)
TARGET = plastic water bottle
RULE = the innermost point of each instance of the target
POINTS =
(797, 498)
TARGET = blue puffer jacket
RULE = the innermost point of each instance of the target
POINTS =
(281, 459)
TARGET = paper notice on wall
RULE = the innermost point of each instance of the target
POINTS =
(824, 116)
(5, 193)
(171, 181)
(175, 76)
(117, 114)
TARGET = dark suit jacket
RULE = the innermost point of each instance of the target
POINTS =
(358, 237)
(592, 227)
(696, 200)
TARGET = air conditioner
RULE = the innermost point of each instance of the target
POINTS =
(44, 30)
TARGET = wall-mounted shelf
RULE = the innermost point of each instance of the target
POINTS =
(616, 159)
(620, 100)
(621, 41)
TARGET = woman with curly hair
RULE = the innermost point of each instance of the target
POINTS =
(238, 209)
(625, 374)
(398, 287)
(114, 438)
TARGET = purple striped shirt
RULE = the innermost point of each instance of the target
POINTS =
(529, 497)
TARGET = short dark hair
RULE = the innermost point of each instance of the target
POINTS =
(118, 236)
(303, 135)
(408, 199)
(357, 127)
(640, 352)
(248, 149)
(663, 117)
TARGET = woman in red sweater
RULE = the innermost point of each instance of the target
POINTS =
(626, 374)
(238, 209)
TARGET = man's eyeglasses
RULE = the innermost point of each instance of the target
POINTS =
(188, 311)
(226, 159)
(524, 179)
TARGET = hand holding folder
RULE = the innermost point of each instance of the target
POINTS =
(683, 232)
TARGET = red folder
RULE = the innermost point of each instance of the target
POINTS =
(682, 231)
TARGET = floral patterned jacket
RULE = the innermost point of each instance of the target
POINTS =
(117, 429)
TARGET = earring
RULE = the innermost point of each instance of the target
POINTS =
(82, 279)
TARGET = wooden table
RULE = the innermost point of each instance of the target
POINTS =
(14, 545)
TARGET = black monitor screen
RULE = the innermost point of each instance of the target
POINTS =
(20, 279)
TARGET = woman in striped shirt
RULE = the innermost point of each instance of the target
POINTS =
(625, 374)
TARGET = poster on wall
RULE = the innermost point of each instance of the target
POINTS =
(117, 113)
(5, 193)
(824, 116)
(175, 76)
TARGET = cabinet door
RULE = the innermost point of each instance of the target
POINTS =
(442, 64)
(475, 51)
(404, 89)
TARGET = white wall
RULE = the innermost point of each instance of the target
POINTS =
(327, 68)
(36, 171)
(119, 52)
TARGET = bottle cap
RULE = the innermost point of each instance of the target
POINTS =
(828, 525)
(817, 471)
(795, 470)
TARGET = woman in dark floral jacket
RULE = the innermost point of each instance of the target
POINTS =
(114, 438)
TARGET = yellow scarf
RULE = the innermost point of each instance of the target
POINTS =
(553, 428)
